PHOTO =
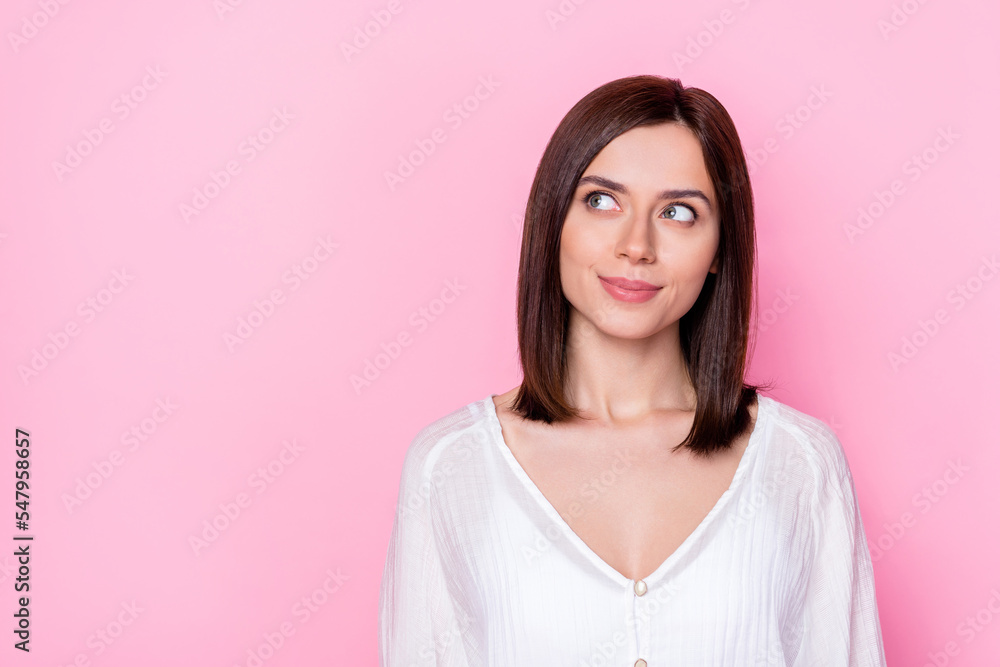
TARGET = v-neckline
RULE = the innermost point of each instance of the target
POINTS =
(763, 407)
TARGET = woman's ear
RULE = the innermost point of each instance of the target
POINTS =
(715, 263)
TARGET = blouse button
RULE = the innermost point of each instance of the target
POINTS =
(640, 663)
(640, 590)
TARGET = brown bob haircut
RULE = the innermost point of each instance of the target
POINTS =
(714, 333)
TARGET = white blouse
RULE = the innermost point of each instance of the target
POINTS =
(483, 571)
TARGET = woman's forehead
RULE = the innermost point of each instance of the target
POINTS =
(653, 158)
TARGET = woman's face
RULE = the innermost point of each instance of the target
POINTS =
(644, 210)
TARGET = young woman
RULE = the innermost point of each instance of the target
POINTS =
(633, 501)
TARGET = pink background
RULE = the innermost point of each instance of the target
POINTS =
(834, 102)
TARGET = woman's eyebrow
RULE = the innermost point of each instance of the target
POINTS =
(665, 194)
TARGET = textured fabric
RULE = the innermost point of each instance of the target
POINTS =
(482, 570)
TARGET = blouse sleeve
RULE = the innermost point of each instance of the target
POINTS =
(841, 623)
(418, 626)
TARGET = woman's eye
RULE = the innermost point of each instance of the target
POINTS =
(594, 200)
(682, 213)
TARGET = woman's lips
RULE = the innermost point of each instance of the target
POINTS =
(632, 291)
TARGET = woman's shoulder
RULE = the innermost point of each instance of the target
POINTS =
(805, 441)
(448, 440)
